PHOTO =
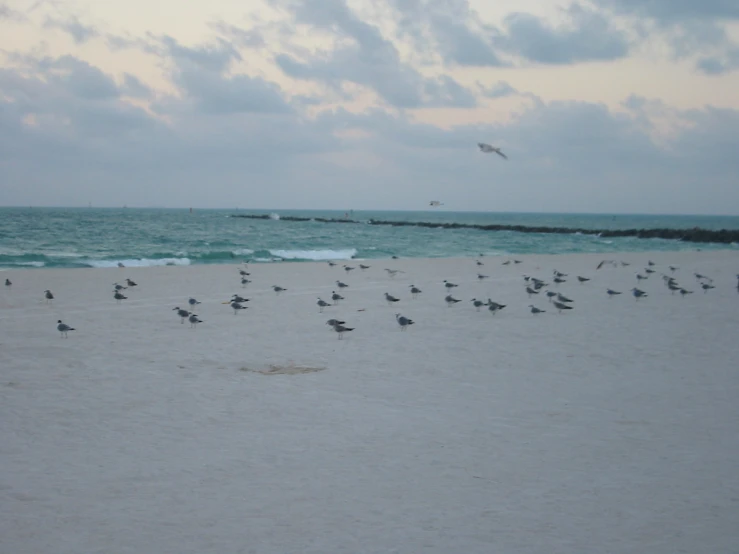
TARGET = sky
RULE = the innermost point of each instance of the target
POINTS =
(603, 106)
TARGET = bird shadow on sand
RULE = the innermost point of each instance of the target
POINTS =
(290, 369)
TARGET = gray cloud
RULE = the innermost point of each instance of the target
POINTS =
(133, 87)
(693, 30)
(371, 61)
(450, 27)
(245, 38)
(590, 36)
(80, 33)
(674, 10)
(501, 89)
(8, 13)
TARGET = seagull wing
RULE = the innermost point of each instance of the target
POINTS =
(501, 154)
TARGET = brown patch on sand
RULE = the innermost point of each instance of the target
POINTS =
(290, 369)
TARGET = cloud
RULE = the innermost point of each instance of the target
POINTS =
(501, 89)
(588, 36)
(693, 30)
(211, 150)
(244, 38)
(369, 60)
(450, 27)
(668, 11)
(9, 14)
(80, 33)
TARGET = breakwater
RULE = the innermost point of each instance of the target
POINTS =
(698, 235)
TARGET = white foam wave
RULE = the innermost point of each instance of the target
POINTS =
(274, 216)
(144, 262)
(242, 252)
(315, 254)
(31, 264)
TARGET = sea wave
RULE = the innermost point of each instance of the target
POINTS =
(318, 255)
(143, 262)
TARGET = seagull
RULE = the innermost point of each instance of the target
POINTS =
(563, 298)
(48, 295)
(535, 310)
(120, 264)
(481, 276)
(403, 321)
(182, 313)
(63, 328)
(559, 273)
(449, 285)
(236, 306)
(119, 287)
(341, 285)
(244, 282)
(336, 297)
(561, 306)
(494, 307)
(489, 149)
(640, 277)
(243, 273)
(363, 267)
(706, 287)
(477, 303)
(550, 294)
(331, 264)
(531, 291)
(390, 299)
(611, 292)
(119, 296)
(583, 279)
(685, 292)
(348, 268)
(415, 291)
(340, 329)
(478, 262)
(322, 304)
(277, 289)
(648, 270)
(559, 280)
(650, 262)
(333, 322)
(638, 293)
(449, 299)
(131, 283)
(673, 268)
(192, 302)
(393, 272)
(7, 282)
(193, 319)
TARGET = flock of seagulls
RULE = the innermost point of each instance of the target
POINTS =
(533, 287)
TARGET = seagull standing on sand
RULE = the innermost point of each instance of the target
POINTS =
(277, 289)
(182, 313)
(333, 322)
(448, 285)
(494, 307)
(561, 306)
(119, 296)
(48, 295)
(193, 319)
(131, 283)
(341, 285)
(477, 303)
(340, 329)
(322, 304)
(390, 299)
(535, 310)
(415, 291)
(119, 287)
(63, 328)
(335, 297)
(236, 306)
(7, 282)
(489, 149)
(611, 292)
(192, 302)
(403, 321)
(450, 300)
(638, 293)
(393, 272)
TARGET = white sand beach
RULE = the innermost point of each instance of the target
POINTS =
(611, 428)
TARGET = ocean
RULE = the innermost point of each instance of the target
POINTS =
(103, 237)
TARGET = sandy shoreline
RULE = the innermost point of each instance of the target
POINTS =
(610, 428)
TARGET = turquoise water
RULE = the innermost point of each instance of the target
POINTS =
(93, 237)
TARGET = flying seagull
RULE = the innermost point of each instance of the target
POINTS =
(488, 149)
